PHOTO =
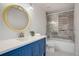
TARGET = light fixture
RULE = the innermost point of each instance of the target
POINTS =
(53, 22)
(30, 7)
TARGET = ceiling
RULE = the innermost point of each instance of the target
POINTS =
(56, 7)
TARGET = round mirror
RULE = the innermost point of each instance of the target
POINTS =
(16, 18)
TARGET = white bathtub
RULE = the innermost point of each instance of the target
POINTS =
(60, 45)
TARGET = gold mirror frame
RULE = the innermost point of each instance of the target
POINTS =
(5, 17)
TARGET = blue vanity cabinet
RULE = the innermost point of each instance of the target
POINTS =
(36, 48)
(42, 47)
(22, 51)
(39, 47)
(25, 50)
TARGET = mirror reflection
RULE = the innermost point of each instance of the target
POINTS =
(15, 17)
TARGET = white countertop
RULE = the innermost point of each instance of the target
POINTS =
(11, 44)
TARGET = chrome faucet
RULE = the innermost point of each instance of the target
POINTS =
(21, 35)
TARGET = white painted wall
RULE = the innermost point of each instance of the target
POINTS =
(38, 22)
(76, 28)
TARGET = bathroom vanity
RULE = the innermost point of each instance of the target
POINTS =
(32, 46)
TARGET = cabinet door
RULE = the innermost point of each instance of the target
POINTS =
(11, 53)
(39, 48)
(42, 47)
(35, 48)
(25, 50)
(22, 51)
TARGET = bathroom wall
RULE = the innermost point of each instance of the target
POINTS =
(66, 25)
(38, 20)
(76, 28)
(38, 23)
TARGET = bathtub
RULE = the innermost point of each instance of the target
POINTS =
(60, 46)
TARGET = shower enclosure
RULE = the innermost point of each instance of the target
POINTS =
(60, 33)
(60, 25)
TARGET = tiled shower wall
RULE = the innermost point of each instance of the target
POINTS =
(60, 25)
